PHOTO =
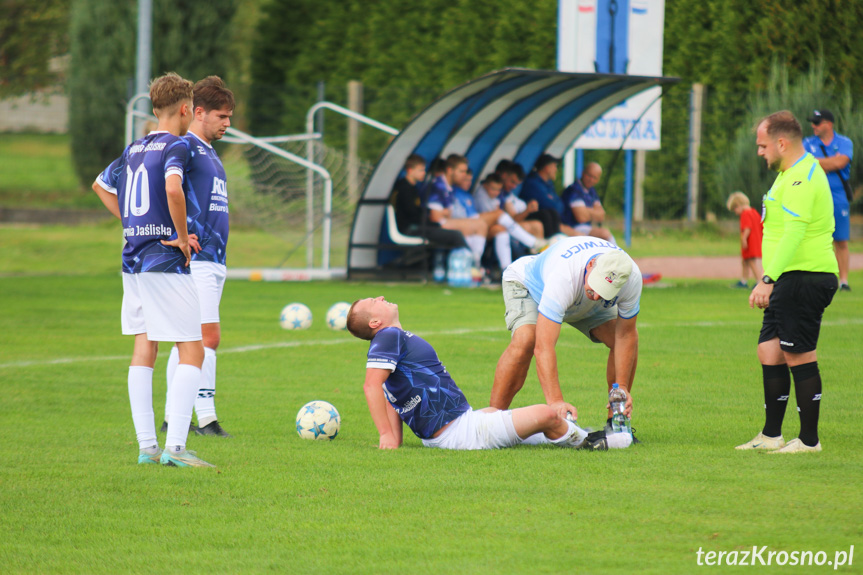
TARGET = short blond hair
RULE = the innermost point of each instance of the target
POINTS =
(168, 91)
(737, 199)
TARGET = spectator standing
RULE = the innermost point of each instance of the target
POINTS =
(750, 238)
(834, 153)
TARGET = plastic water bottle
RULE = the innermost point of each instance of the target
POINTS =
(617, 402)
(458, 267)
(439, 269)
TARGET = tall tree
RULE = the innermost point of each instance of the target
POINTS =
(190, 38)
(31, 33)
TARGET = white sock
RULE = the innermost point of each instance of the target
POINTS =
(536, 439)
(181, 399)
(173, 362)
(614, 241)
(516, 231)
(574, 430)
(141, 400)
(477, 246)
(619, 440)
(205, 402)
(503, 249)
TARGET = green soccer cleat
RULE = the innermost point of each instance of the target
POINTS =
(797, 446)
(763, 443)
(145, 458)
(183, 459)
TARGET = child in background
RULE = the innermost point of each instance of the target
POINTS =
(750, 237)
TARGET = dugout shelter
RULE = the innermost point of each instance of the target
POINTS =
(514, 114)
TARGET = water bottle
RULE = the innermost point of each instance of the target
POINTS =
(439, 269)
(458, 267)
(617, 402)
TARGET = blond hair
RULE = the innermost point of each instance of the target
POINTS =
(737, 199)
(169, 91)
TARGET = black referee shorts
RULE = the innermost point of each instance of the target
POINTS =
(795, 309)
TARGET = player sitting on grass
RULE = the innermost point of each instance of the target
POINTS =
(406, 382)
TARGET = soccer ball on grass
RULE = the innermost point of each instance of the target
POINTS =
(295, 316)
(337, 316)
(318, 420)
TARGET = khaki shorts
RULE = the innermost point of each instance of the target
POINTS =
(522, 310)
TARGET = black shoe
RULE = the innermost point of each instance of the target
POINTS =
(164, 428)
(844, 287)
(212, 428)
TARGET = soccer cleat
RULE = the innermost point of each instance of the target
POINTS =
(741, 284)
(164, 428)
(844, 287)
(212, 428)
(763, 443)
(797, 446)
(650, 278)
(145, 458)
(183, 459)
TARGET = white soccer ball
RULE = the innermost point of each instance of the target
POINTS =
(295, 316)
(318, 420)
(337, 315)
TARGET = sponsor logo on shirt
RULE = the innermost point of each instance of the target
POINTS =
(148, 230)
(410, 405)
(151, 147)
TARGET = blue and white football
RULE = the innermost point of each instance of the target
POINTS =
(296, 316)
(337, 315)
(318, 420)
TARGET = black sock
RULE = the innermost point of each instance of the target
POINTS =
(807, 388)
(777, 386)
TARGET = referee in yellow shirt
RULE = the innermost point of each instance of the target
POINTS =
(800, 279)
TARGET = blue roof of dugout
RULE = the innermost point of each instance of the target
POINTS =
(514, 114)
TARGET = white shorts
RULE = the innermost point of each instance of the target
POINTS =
(477, 430)
(210, 281)
(162, 305)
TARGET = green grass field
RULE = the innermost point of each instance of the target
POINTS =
(72, 499)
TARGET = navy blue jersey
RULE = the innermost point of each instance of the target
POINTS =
(420, 389)
(138, 179)
(576, 196)
(207, 194)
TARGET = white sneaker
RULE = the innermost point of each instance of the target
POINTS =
(797, 446)
(763, 443)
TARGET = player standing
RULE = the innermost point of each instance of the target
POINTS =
(208, 219)
(144, 189)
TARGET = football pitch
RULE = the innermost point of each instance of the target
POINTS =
(73, 500)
